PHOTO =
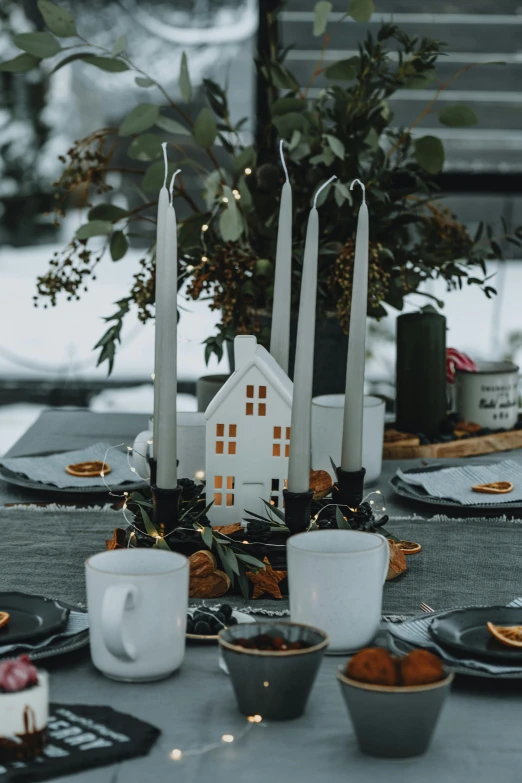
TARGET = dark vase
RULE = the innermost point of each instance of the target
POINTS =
(330, 353)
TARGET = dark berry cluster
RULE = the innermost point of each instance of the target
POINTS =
(258, 530)
(209, 622)
(190, 489)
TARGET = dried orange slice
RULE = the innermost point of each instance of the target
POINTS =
(409, 547)
(4, 618)
(495, 488)
(510, 635)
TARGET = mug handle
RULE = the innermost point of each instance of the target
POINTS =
(117, 599)
(386, 550)
(140, 454)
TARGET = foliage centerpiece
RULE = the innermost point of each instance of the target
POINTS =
(228, 229)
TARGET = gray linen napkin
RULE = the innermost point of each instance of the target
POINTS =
(50, 469)
(455, 483)
(416, 632)
(77, 622)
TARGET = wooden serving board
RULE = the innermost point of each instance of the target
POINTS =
(484, 444)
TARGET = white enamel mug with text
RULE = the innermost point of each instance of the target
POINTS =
(335, 580)
(137, 601)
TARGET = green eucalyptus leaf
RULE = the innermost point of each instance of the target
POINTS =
(141, 118)
(143, 81)
(211, 187)
(343, 71)
(222, 553)
(59, 21)
(253, 561)
(285, 105)
(110, 64)
(322, 11)
(342, 523)
(161, 544)
(172, 126)
(185, 87)
(70, 59)
(205, 130)
(153, 178)
(335, 145)
(107, 212)
(281, 77)
(286, 124)
(119, 245)
(150, 527)
(145, 148)
(245, 159)
(323, 195)
(206, 535)
(342, 193)
(38, 44)
(420, 80)
(429, 154)
(458, 115)
(361, 10)
(244, 192)
(295, 140)
(20, 64)
(230, 221)
(95, 228)
(119, 46)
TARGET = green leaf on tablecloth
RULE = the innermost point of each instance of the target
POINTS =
(119, 245)
(342, 522)
(244, 585)
(38, 44)
(57, 19)
(172, 126)
(335, 145)
(322, 11)
(222, 554)
(141, 118)
(458, 115)
(107, 212)
(161, 544)
(429, 154)
(361, 10)
(206, 535)
(120, 44)
(253, 561)
(205, 130)
(20, 64)
(185, 87)
(95, 228)
(343, 70)
(150, 527)
(146, 147)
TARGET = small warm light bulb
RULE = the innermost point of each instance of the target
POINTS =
(372, 502)
(190, 268)
(153, 376)
(199, 474)
(204, 227)
(175, 754)
(204, 258)
(266, 684)
(134, 470)
(257, 718)
(149, 442)
(237, 196)
(245, 542)
(102, 474)
(227, 738)
(126, 494)
(225, 200)
(248, 171)
(129, 448)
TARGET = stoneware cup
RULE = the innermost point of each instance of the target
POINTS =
(335, 580)
(327, 433)
(489, 395)
(275, 685)
(394, 722)
(137, 601)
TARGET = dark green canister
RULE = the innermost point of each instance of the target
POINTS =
(421, 403)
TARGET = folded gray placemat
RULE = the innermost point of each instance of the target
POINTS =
(456, 483)
(417, 632)
(50, 469)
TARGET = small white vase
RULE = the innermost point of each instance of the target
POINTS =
(489, 396)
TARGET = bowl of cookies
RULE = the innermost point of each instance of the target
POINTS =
(394, 703)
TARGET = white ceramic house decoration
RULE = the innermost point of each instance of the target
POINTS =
(248, 436)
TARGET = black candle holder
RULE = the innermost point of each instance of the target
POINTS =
(298, 510)
(348, 490)
(165, 504)
(153, 467)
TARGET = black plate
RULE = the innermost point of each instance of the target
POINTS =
(22, 481)
(465, 630)
(31, 617)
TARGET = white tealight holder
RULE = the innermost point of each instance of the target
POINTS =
(190, 447)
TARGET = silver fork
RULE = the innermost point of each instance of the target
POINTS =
(426, 608)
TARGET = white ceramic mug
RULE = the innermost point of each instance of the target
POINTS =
(327, 433)
(489, 395)
(335, 580)
(137, 601)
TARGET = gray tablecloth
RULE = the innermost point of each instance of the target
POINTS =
(477, 738)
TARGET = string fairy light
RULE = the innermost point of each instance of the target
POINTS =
(177, 754)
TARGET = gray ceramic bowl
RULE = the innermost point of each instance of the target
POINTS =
(394, 722)
(275, 685)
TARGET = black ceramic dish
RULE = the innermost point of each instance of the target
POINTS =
(394, 722)
(465, 630)
(275, 685)
(31, 617)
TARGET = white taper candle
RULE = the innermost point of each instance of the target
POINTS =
(300, 433)
(280, 334)
(351, 455)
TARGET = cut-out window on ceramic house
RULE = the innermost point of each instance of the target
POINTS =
(231, 482)
(218, 485)
(281, 442)
(255, 393)
(226, 438)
